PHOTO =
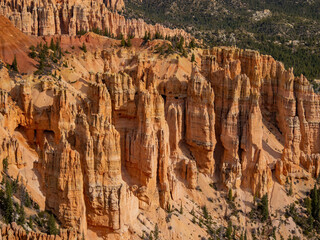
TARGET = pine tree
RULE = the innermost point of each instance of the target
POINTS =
(151, 236)
(230, 196)
(52, 228)
(264, 208)
(129, 44)
(30, 223)
(205, 212)
(27, 200)
(22, 215)
(146, 37)
(310, 223)
(15, 185)
(14, 65)
(192, 44)
(52, 45)
(181, 209)
(308, 206)
(84, 47)
(181, 44)
(8, 215)
(158, 35)
(123, 42)
(193, 58)
(41, 64)
(5, 164)
(315, 202)
(229, 230)
(192, 212)
(156, 232)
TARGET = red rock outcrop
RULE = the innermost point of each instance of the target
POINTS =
(15, 44)
(44, 18)
(129, 136)
(261, 89)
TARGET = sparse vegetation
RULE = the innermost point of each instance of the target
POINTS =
(22, 215)
(47, 56)
(5, 164)
(264, 208)
(52, 227)
(290, 33)
(84, 47)
(193, 58)
(230, 195)
(14, 65)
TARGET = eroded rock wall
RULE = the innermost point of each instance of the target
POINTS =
(42, 18)
(130, 138)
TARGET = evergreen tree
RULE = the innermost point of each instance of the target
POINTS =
(205, 212)
(315, 202)
(27, 200)
(158, 35)
(308, 206)
(123, 42)
(192, 43)
(52, 228)
(229, 230)
(181, 209)
(230, 195)
(52, 45)
(5, 164)
(151, 236)
(310, 222)
(84, 47)
(129, 44)
(193, 58)
(156, 232)
(146, 37)
(22, 215)
(120, 36)
(14, 65)
(30, 223)
(181, 44)
(184, 53)
(264, 208)
(192, 212)
(15, 185)
(41, 64)
(8, 215)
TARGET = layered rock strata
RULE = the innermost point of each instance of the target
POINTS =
(42, 18)
(132, 134)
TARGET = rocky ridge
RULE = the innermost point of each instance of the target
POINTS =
(42, 18)
(126, 130)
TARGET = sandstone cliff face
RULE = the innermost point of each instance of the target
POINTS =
(79, 152)
(130, 137)
(261, 90)
(44, 18)
(200, 120)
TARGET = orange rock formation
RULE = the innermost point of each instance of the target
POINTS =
(44, 18)
(136, 128)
